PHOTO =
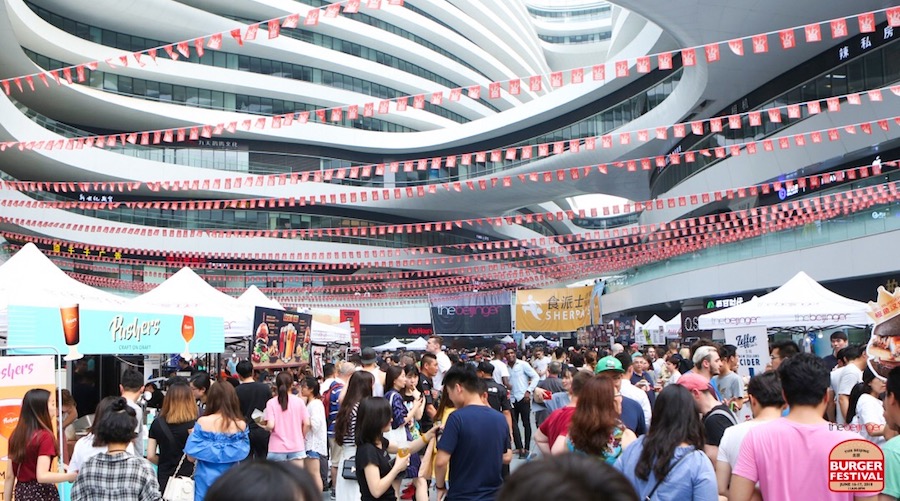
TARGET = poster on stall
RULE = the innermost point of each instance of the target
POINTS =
(17, 376)
(79, 331)
(352, 316)
(752, 348)
(883, 349)
(332, 353)
(281, 338)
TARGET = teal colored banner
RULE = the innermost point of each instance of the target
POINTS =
(102, 332)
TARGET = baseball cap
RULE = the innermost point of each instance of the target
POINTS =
(608, 364)
(367, 356)
(693, 381)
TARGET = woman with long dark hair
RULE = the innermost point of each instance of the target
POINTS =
(359, 387)
(169, 432)
(219, 440)
(595, 428)
(32, 447)
(668, 463)
(114, 473)
(866, 409)
(287, 420)
(374, 470)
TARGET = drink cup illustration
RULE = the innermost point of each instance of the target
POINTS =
(187, 332)
(70, 325)
(9, 418)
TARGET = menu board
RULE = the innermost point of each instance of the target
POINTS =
(280, 338)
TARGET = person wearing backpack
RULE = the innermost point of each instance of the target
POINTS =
(331, 400)
(717, 417)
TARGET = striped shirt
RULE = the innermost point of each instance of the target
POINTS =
(350, 436)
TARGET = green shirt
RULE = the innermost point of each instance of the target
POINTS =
(892, 467)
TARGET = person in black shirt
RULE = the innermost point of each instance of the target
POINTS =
(170, 432)
(497, 397)
(426, 388)
(200, 387)
(253, 396)
(374, 470)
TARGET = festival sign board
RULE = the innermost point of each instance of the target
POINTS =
(105, 332)
(17, 376)
(752, 348)
(281, 338)
(484, 313)
(553, 310)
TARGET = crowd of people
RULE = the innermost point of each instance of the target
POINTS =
(662, 423)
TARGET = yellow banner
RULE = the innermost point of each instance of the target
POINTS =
(553, 310)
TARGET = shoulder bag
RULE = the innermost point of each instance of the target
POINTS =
(348, 469)
(179, 488)
(660, 481)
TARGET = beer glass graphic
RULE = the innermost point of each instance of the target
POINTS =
(187, 332)
(9, 418)
(70, 325)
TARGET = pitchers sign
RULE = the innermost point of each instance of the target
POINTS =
(553, 310)
(98, 332)
(752, 348)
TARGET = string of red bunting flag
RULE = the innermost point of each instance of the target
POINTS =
(811, 181)
(635, 251)
(759, 43)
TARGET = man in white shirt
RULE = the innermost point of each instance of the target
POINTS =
(628, 389)
(657, 364)
(851, 375)
(540, 363)
(523, 380)
(766, 403)
(435, 347)
(501, 370)
(130, 387)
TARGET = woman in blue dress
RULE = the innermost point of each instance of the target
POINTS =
(219, 440)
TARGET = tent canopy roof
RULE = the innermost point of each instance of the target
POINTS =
(801, 302)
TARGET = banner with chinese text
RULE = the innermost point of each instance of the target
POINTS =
(553, 310)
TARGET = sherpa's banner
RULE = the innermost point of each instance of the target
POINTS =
(477, 313)
(553, 310)
(97, 332)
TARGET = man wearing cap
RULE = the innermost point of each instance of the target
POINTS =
(612, 367)
(368, 358)
(717, 417)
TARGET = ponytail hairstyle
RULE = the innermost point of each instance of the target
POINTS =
(34, 417)
(283, 384)
(863, 388)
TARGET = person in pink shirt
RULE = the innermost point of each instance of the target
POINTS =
(788, 457)
(288, 421)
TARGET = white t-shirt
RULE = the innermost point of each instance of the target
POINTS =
(659, 366)
(540, 366)
(851, 375)
(443, 366)
(869, 410)
(317, 438)
(835, 381)
(501, 370)
(730, 446)
(84, 450)
(640, 396)
(139, 429)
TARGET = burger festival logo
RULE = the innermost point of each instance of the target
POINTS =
(856, 466)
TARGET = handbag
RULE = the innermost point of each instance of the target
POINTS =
(348, 469)
(179, 488)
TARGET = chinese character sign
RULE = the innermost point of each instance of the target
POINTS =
(553, 310)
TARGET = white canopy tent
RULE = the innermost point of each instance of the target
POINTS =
(529, 340)
(507, 339)
(392, 345)
(29, 278)
(322, 333)
(674, 325)
(254, 297)
(652, 325)
(187, 291)
(420, 344)
(800, 303)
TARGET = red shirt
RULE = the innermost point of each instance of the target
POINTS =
(40, 444)
(557, 423)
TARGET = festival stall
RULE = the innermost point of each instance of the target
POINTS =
(419, 344)
(393, 345)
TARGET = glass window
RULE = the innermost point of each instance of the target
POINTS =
(192, 96)
(110, 82)
(178, 93)
(231, 61)
(265, 67)
(109, 38)
(220, 59)
(229, 101)
(205, 96)
(125, 85)
(165, 92)
(218, 100)
(254, 65)
(855, 78)
(96, 35)
(874, 70)
(243, 63)
(152, 90)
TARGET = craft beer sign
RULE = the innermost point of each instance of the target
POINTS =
(77, 331)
